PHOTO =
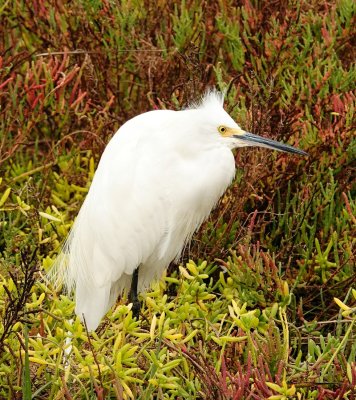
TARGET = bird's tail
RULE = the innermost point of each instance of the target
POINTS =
(91, 304)
(60, 275)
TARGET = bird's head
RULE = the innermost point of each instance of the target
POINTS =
(216, 118)
(239, 138)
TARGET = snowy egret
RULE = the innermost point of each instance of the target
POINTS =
(157, 181)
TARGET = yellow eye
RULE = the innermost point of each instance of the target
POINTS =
(222, 130)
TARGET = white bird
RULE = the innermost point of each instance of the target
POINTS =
(158, 179)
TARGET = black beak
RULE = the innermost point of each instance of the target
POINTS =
(255, 140)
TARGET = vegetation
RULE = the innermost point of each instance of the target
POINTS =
(267, 309)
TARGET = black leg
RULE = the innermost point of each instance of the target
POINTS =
(136, 305)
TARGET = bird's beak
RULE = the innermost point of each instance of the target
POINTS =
(250, 139)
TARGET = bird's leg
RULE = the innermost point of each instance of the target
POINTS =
(136, 306)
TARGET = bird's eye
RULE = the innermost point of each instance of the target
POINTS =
(222, 129)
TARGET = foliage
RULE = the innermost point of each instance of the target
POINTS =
(270, 313)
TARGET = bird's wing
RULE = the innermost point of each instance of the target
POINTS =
(121, 222)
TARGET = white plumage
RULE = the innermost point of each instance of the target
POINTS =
(157, 181)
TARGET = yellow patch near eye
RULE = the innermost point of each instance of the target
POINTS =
(230, 132)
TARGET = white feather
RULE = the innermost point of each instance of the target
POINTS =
(157, 181)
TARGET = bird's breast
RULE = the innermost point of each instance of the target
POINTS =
(199, 181)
